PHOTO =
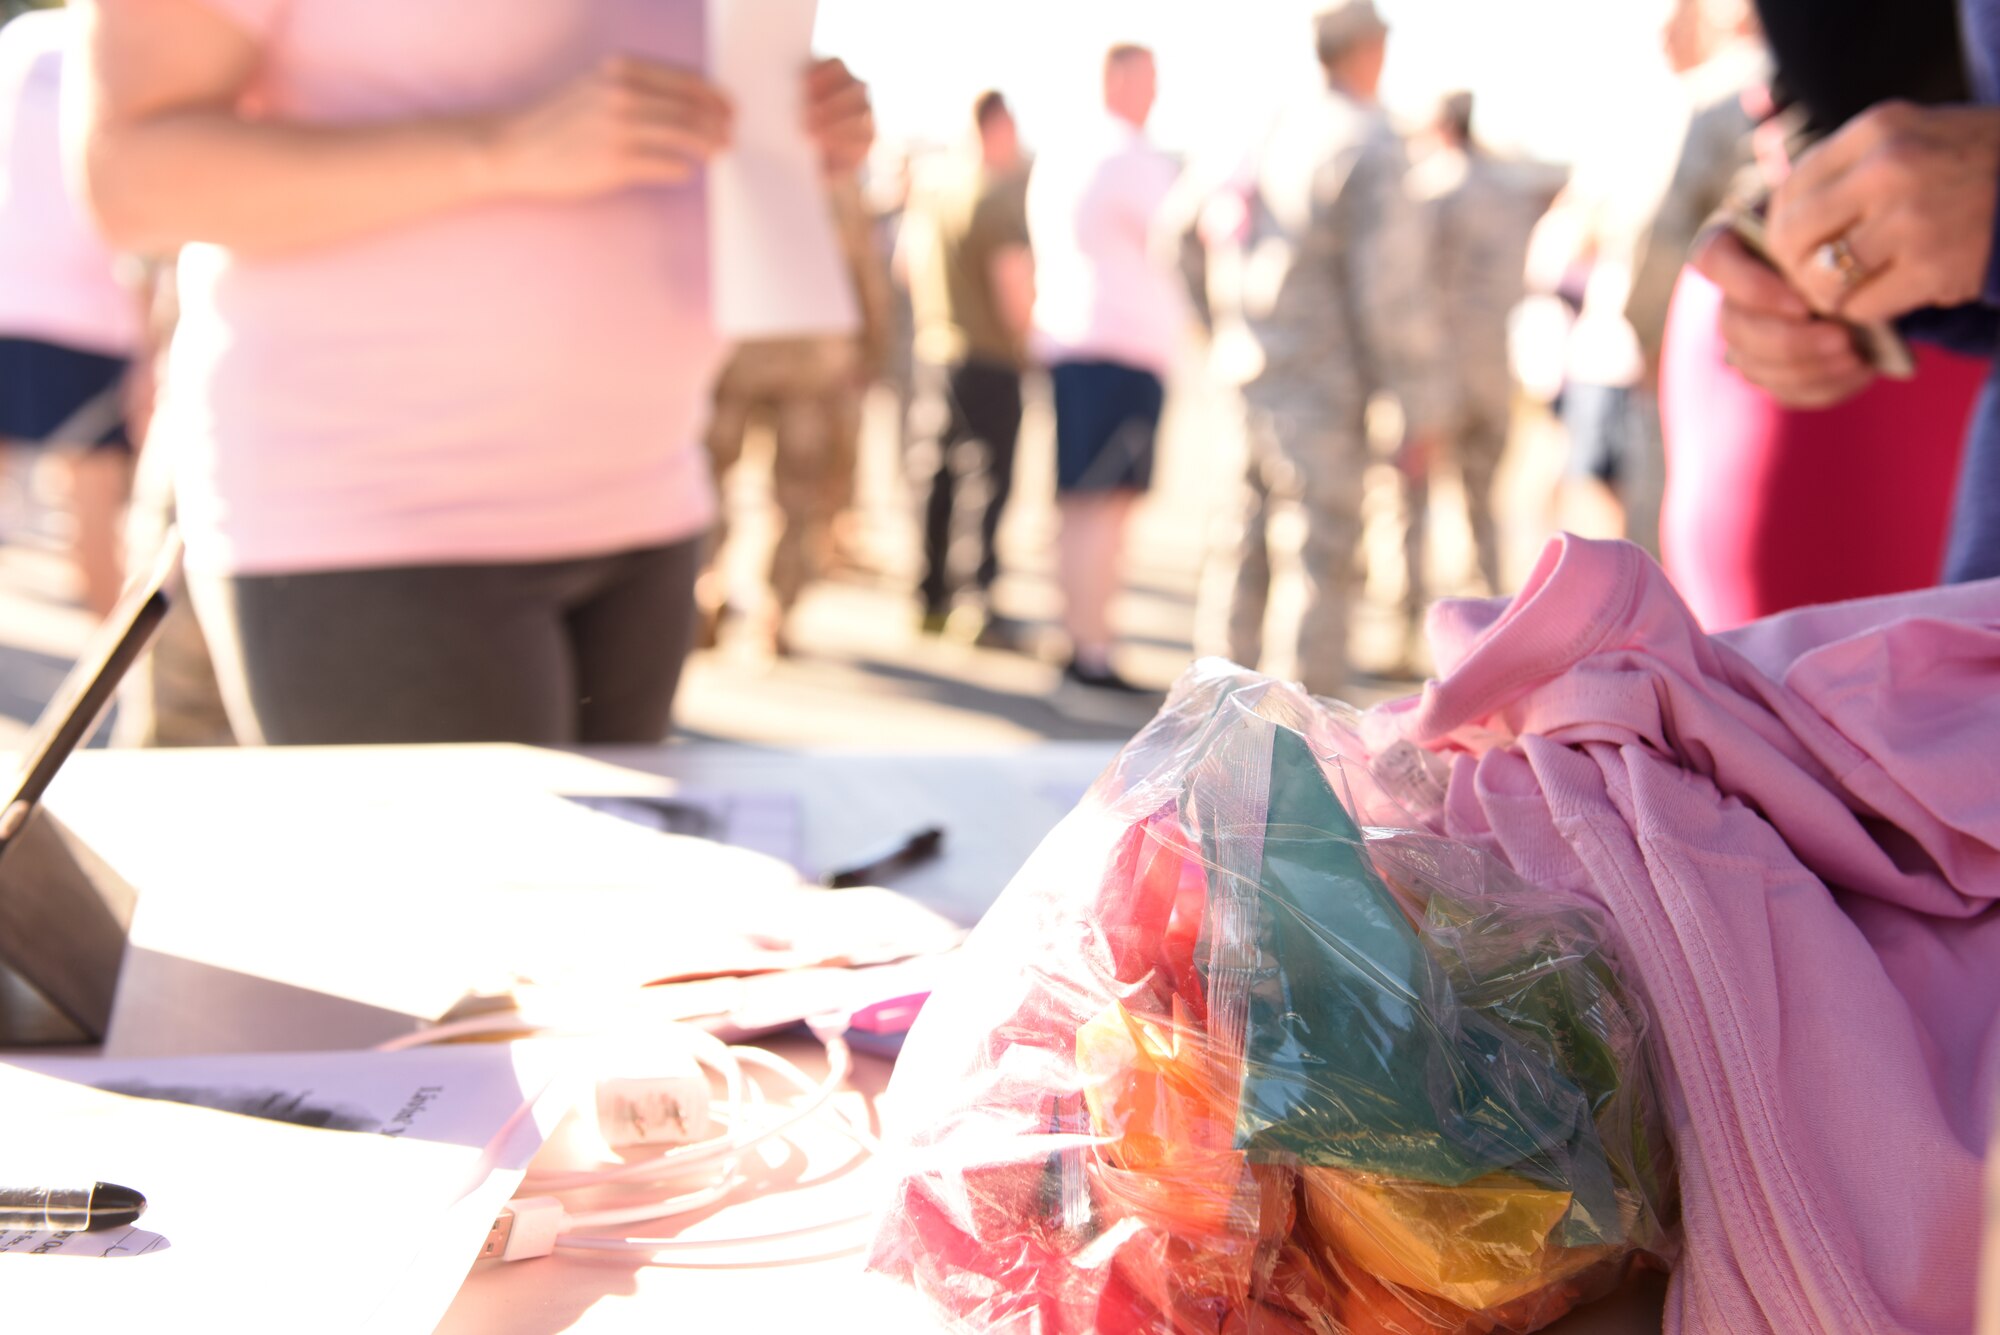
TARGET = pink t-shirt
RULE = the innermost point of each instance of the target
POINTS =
(1101, 290)
(515, 381)
(57, 277)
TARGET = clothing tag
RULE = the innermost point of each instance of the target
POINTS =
(1412, 776)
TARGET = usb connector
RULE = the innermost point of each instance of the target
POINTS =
(526, 1228)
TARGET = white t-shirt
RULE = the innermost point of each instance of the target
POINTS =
(58, 279)
(1102, 292)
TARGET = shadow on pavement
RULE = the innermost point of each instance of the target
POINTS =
(1045, 716)
(1172, 588)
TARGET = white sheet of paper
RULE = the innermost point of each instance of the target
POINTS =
(254, 1223)
(484, 891)
(775, 260)
(443, 896)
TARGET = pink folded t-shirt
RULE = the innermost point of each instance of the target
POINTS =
(1795, 831)
(512, 381)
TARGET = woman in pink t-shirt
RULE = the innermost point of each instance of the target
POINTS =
(444, 342)
(68, 325)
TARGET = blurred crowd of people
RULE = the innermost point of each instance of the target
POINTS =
(1330, 274)
(444, 414)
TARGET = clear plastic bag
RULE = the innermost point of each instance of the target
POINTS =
(1242, 1048)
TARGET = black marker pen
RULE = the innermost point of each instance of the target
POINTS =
(90, 1209)
(874, 867)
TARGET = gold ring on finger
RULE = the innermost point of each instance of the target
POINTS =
(1836, 257)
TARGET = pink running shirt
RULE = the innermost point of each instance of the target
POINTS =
(514, 381)
(58, 280)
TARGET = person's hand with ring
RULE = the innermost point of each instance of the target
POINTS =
(1892, 213)
(1772, 337)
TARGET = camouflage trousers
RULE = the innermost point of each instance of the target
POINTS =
(1474, 446)
(808, 393)
(1280, 573)
(170, 696)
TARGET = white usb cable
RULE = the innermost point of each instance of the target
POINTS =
(534, 1225)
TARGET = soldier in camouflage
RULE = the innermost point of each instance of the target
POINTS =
(1480, 213)
(1727, 74)
(170, 696)
(1321, 300)
(809, 391)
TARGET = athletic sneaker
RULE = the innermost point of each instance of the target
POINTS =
(1103, 679)
(1008, 633)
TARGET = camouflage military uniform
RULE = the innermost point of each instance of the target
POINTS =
(1321, 302)
(1479, 218)
(1714, 157)
(808, 391)
(170, 697)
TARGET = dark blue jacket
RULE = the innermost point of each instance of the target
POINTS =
(1974, 550)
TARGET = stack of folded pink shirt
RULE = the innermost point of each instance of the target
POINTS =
(1795, 828)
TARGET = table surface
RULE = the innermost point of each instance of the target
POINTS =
(297, 898)
(333, 898)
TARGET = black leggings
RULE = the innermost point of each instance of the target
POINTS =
(548, 653)
(968, 421)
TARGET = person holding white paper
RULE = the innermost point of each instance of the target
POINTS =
(436, 390)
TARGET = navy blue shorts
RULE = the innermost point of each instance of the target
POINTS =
(44, 388)
(1107, 417)
(1603, 428)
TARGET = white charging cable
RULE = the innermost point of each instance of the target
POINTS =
(537, 1224)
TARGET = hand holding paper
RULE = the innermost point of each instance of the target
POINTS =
(627, 122)
(839, 117)
(777, 268)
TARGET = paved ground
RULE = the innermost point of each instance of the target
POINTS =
(862, 675)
